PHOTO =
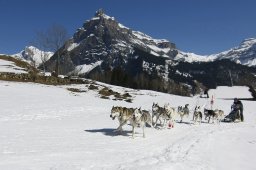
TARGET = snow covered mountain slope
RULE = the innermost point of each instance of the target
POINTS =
(33, 55)
(52, 128)
(244, 54)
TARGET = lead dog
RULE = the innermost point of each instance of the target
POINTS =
(141, 117)
(165, 113)
(123, 114)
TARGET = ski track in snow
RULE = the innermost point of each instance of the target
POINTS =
(49, 128)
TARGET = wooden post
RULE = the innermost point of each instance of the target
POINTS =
(212, 101)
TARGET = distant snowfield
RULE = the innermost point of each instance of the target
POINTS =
(9, 66)
(49, 128)
(225, 92)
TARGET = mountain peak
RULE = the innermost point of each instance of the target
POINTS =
(33, 55)
(104, 41)
(248, 42)
(99, 13)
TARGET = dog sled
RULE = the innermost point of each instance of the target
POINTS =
(233, 116)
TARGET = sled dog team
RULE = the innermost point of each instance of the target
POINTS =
(160, 116)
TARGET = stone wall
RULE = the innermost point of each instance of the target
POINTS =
(50, 80)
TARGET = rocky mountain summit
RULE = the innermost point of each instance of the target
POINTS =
(103, 40)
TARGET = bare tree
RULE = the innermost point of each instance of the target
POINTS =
(56, 37)
(52, 39)
(41, 44)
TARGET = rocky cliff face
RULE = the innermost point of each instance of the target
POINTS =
(104, 41)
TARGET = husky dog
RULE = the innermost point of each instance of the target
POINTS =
(183, 111)
(197, 115)
(157, 112)
(141, 117)
(123, 114)
(216, 115)
(210, 114)
(164, 113)
(171, 114)
(220, 115)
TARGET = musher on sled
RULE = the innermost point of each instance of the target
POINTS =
(236, 113)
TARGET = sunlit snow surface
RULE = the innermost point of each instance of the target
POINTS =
(49, 128)
(10, 67)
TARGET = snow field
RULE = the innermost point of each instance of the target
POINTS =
(50, 128)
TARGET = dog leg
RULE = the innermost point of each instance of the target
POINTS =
(133, 127)
(156, 121)
(181, 119)
(150, 123)
(200, 117)
(143, 128)
(152, 120)
(120, 126)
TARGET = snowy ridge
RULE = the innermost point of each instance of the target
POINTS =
(143, 36)
(245, 53)
(191, 57)
(33, 55)
(152, 44)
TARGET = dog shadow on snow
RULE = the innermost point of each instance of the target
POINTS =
(186, 123)
(109, 132)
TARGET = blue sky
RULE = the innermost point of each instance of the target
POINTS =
(199, 26)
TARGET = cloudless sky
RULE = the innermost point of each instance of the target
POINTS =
(199, 26)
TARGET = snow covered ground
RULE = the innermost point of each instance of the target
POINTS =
(50, 128)
(9, 66)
